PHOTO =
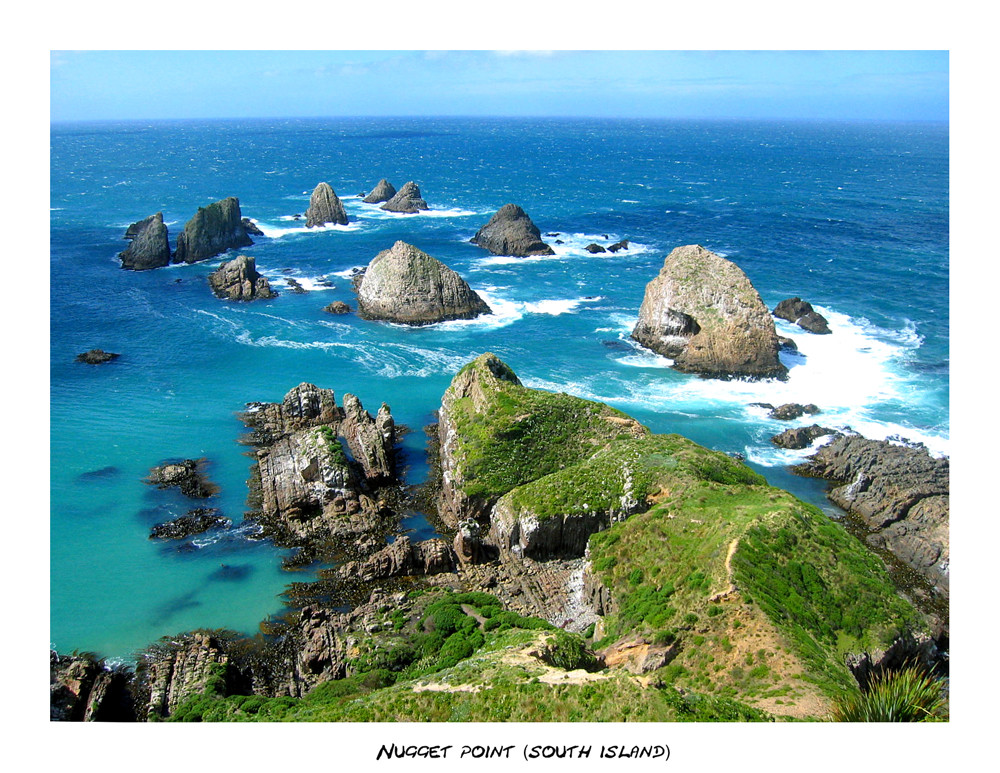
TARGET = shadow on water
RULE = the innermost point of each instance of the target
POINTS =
(228, 573)
(166, 611)
(96, 475)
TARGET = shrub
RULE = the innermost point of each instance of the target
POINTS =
(908, 695)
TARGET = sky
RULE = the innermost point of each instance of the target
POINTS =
(184, 84)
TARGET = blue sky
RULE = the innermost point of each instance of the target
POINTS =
(850, 85)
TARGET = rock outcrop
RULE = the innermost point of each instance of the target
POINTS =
(308, 485)
(900, 492)
(406, 285)
(516, 460)
(239, 280)
(511, 232)
(337, 307)
(188, 475)
(212, 231)
(150, 247)
(195, 522)
(801, 437)
(702, 312)
(325, 207)
(83, 689)
(407, 200)
(802, 314)
(182, 669)
(384, 191)
(96, 357)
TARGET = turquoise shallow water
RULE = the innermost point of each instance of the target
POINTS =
(852, 217)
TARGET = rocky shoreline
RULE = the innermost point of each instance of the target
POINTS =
(546, 503)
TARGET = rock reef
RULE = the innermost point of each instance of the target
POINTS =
(150, 245)
(802, 314)
(900, 492)
(511, 232)
(406, 201)
(212, 231)
(702, 312)
(384, 191)
(239, 280)
(325, 207)
(96, 357)
(406, 285)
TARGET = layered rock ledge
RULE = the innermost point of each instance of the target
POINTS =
(511, 232)
(702, 312)
(406, 285)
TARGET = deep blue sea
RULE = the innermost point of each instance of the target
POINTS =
(851, 217)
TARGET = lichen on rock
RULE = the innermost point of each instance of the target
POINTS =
(702, 312)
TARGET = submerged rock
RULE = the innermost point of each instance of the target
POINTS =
(325, 207)
(150, 247)
(801, 437)
(195, 522)
(384, 191)
(702, 312)
(407, 200)
(789, 411)
(406, 285)
(187, 475)
(337, 307)
(238, 280)
(511, 232)
(802, 314)
(96, 357)
(900, 492)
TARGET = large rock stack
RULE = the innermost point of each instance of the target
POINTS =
(702, 312)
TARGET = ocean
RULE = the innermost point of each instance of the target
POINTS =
(852, 217)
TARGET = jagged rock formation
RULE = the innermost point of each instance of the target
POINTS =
(238, 280)
(212, 231)
(406, 285)
(187, 475)
(384, 191)
(308, 486)
(337, 307)
(790, 411)
(325, 207)
(622, 245)
(96, 357)
(801, 437)
(150, 247)
(511, 232)
(900, 492)
(802, 314)
(407, 200)
(181, 670)
(251, 227)
(594, 249)
(195, 522)
(702, 312)
(83, 689)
